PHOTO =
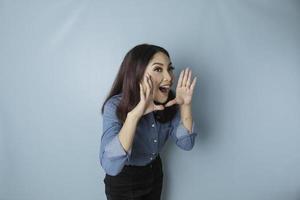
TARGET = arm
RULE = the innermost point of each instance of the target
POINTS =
(183, 136)
(186, 116)
(127, 132)
(183, 125)
(117, 139)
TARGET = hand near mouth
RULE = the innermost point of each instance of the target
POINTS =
(146, 104)
(184, 89)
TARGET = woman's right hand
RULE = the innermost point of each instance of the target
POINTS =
(146, 104)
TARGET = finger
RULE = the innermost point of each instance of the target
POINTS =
(180, 79)
(171, 103)
(150, 80)
(141, 91)
(193, 84)
(147, 86)
(184, 77)
(150, 83)
(159, 107)
(144, 83)
(188, 82)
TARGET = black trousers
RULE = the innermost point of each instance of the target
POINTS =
(136, 182)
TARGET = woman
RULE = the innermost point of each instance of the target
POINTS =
(139, 115)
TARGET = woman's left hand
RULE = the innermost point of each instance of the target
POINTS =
(184, 89)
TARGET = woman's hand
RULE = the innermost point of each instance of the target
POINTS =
(146, 104)
(184, 89)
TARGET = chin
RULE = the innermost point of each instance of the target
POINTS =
(161, 100)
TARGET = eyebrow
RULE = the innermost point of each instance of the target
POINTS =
(161, 63)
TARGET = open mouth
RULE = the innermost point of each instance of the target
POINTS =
(164, 89)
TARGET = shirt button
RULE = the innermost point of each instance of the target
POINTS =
(153, 153)
(151, 158)
(155, 141)
(152, 125)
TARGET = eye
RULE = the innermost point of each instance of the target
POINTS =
(171, 68)
(159, 69)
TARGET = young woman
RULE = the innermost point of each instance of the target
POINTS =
(140, 113)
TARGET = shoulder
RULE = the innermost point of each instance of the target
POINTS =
(112, 102)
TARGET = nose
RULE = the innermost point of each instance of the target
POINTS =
(167, 76)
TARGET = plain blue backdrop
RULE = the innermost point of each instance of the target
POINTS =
(58, 60)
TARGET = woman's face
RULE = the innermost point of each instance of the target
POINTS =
(161, 71)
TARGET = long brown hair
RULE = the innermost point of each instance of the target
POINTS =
(127, 81)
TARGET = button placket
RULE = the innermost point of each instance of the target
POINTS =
(154, 134)
(152, 120)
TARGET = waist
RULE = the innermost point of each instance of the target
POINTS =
(155, 161)
(140, 171)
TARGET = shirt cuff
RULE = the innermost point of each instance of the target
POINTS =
(183, 131)
(115, 150)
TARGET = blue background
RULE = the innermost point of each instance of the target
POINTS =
(57, 63)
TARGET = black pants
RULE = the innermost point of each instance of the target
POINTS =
(136, 182)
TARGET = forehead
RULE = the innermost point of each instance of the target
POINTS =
(159, 57)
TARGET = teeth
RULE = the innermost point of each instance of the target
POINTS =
(164, 89)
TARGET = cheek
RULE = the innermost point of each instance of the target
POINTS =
(156, 79)
(156, 83)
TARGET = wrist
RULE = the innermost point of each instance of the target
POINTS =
(186, 111)
(133, 116)
(185, 106)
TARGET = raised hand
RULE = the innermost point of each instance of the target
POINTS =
(146, 104)
(184, 89)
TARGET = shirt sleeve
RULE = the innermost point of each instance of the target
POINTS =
(112, 154)
(180, 133)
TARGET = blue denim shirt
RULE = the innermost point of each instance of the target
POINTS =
(149, 139)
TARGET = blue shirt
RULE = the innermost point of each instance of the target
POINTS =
(149, 139)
